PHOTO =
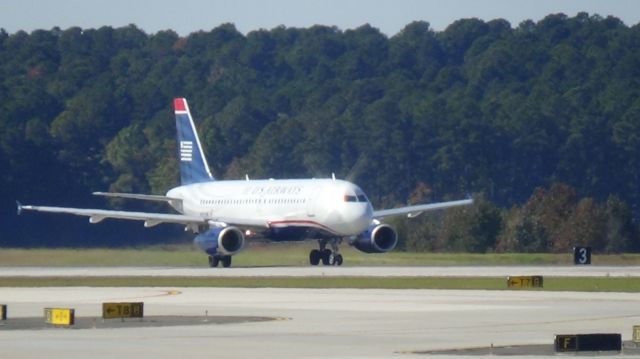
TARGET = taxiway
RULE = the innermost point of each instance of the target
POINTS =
(313, 323)
(320, 323)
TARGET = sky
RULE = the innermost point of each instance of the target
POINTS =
(389, 16)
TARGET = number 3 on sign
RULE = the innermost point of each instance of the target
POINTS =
(582, 255)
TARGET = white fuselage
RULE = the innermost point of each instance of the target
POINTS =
(335, 206)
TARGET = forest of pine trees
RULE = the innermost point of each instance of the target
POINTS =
(539, 121)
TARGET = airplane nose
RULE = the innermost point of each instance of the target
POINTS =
(360, 218)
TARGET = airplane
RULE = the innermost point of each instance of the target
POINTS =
(225, 213)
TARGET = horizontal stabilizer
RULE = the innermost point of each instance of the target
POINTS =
(174, 202)
(145, 197)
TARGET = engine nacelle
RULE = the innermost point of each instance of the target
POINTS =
(221, 240)
(378, 238)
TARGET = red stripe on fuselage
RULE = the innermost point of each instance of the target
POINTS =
(300, 223)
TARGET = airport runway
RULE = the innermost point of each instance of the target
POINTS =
(314, 323)
(319, 271)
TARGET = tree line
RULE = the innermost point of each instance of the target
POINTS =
(481, 107)
(553, 219)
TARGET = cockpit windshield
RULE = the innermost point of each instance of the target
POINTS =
(360, 197)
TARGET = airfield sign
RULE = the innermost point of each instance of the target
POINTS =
(122, 310)
(59, 316)
(531, 281)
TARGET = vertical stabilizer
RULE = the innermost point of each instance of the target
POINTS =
(193, 164)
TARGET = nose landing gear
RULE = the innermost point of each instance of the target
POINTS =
(328, 256)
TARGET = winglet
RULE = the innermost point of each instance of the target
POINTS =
(19, 207)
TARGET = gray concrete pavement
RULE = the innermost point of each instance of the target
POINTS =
(316, 323)
(423, 271)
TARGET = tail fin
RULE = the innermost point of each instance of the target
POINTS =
(193, 164)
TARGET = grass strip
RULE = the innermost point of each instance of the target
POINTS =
(580, 284)
(279, 254)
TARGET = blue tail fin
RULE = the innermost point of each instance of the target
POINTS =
(193, 164)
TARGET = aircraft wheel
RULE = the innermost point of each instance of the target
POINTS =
(332, 259)
(326, 257)
(213, 261)
(226, 261)
(338, 260)
(314, 257)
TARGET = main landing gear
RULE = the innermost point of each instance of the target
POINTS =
(214, 260)
(329, 257)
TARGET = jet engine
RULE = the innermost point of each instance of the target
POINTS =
(221, 240)
(378, 238)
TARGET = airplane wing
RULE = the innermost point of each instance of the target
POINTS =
(98, 215)
(414, 211)
(150, 219)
